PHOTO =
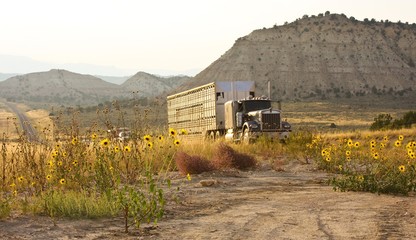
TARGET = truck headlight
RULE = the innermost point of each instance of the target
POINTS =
(254, 126)
(286, 125)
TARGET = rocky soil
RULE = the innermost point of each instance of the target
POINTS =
(292, 203)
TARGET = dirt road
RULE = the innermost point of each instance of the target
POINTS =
(262, 204)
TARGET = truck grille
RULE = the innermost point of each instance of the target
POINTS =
(271, 121)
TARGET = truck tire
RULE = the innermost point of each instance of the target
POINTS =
(211, 135)
(245, 138)
(217, 135)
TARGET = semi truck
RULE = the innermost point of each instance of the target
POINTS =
(225, 109)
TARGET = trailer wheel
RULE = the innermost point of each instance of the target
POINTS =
(245, 139)
(211, 135)
(217, 135)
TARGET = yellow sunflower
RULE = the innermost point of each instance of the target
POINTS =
(62, 181)
(397, 143)
(20, 179)
(127, 149)
(147, 138)
(93, 136)
(105, 142)
(172, 132)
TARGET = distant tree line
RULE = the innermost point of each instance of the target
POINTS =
(385, 121)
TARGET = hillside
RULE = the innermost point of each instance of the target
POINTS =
(323, 56)
(64, 87)
(58, 86)
(148, 85)
(4, 76)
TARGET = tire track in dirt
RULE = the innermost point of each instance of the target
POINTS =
(282, 206)
(248, 205)
(392, 218)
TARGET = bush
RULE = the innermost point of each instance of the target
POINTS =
(385, 121)
(192, 164)
(226, 157)
(382, 121)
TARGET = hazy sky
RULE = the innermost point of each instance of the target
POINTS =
(155, 36)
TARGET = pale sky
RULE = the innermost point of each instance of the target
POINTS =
(122, 37)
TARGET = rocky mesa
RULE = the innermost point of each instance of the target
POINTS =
(324, 56)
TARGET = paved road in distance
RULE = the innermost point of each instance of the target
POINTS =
(25, 124)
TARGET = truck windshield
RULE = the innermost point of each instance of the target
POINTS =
(254, 105)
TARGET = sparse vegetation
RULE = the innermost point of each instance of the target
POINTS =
(225, 157)
(79, 169)
(74, 173)
(187, 164)
(369, 163)
(385, 121)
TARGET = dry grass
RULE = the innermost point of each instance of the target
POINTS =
(192, 164)
(347, 115)
(222, 157)
(40, 118)
(367, 134)
(225, 157)
(6, 122)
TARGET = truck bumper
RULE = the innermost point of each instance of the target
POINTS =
(276, 135)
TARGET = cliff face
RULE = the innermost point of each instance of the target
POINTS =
(322, 57)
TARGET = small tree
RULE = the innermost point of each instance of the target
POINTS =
(408, 119)
(383, 121)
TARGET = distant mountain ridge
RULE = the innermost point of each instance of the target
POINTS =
(149, 85)
(4, 76)
(112, 79)
(64, 87)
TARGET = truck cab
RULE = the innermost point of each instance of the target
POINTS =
(248, 119)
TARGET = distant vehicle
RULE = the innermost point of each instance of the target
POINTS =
(227, 109)
(122, 134)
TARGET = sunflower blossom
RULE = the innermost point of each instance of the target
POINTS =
(105, 142)
(172, 132)
(147, 138)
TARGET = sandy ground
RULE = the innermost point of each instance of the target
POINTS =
(264, 204)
